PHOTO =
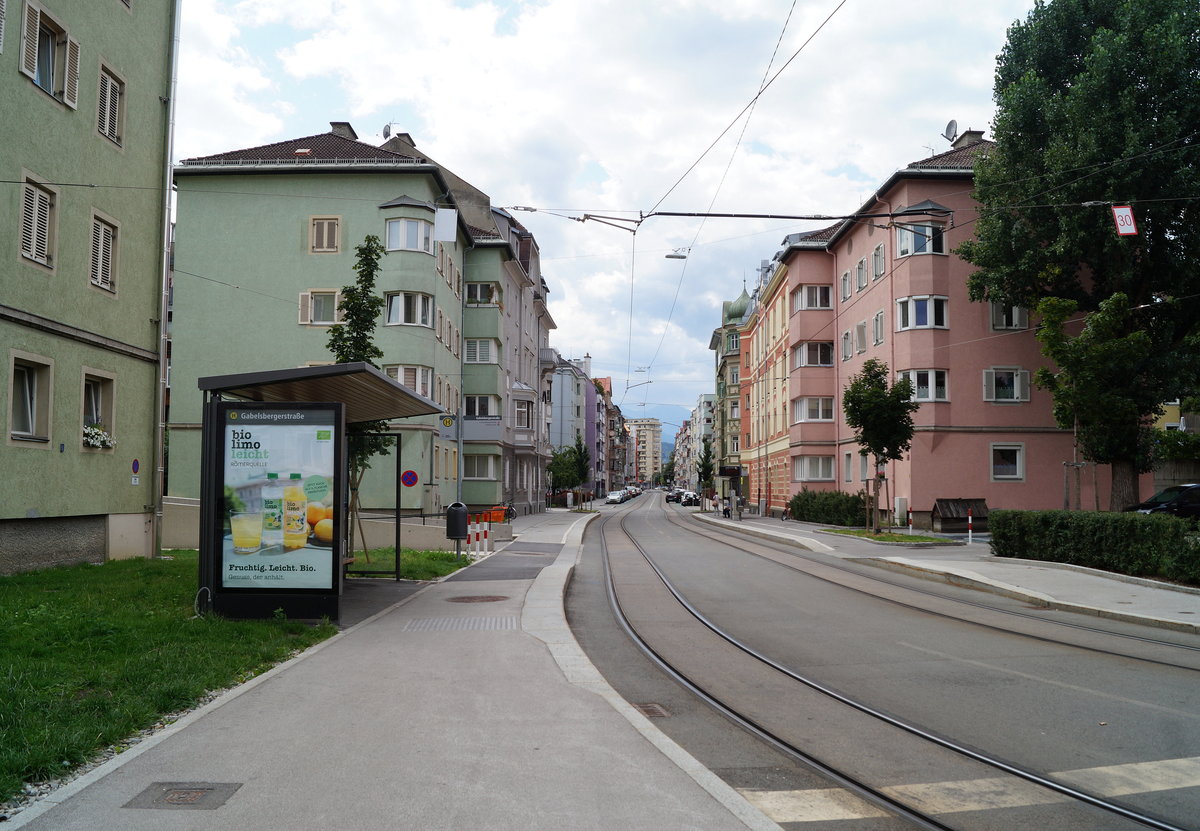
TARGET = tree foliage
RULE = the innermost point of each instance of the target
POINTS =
(704, 466)
(563, 475)
(352, 340)
(1098, 103)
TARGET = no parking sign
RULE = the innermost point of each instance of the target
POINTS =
(408, 478)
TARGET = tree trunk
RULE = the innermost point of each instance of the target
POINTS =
(1124, 486)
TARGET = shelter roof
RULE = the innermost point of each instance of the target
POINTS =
(368, 393)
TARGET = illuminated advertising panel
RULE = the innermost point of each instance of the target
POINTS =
(280, 517)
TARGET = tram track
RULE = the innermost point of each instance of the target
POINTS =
(781, 705)
(1171, 653)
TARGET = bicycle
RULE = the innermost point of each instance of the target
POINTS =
(510, 513)
(787, 514)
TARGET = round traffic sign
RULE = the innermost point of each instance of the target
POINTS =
(408, 478)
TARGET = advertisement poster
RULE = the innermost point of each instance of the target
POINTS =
(279, 498)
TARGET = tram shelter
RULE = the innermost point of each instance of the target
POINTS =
(273, 453)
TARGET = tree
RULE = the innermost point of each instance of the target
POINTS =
(881, 417)
(352, 340)
(1097, 104)
(562, 469)
(668, 472)
(581, 460)
(704, 466)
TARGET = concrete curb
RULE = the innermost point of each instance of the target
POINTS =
(970, 580)
(543, 616)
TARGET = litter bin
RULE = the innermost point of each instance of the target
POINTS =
(456, 522)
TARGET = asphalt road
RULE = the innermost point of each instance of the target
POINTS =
(1044, 705)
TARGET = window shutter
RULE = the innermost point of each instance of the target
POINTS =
(71, 85)
(997, 315)
(989, 385)
(338, 314)
(29, 40)
(1021, 381)
(318, 232)
(35, 224)
(1021, 318)
(305, 307)
(102, 253)
(1, 26)
(472, 354)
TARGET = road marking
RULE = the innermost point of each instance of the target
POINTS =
(937, 798)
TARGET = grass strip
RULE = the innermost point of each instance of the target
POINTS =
(884, 536)
(414, 565)
(90, 655)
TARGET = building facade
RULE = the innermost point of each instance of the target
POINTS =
(266, 239)
(645, 441)
(86, 95)
(726, 344)
(895, 291)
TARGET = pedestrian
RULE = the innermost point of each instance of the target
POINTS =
(725, 508)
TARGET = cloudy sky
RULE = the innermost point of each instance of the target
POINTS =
(613, 108)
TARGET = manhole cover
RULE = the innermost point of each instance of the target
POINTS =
(185, 796)
(476, 598)
(652, 710)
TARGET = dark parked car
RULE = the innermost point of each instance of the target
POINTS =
(1178, 500)
(674, 496)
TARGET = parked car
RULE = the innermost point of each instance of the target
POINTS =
(674, 495)
(1177, 500)
(690, 498)
(616, 497)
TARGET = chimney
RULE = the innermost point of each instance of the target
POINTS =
(343, 129)
(967, 138)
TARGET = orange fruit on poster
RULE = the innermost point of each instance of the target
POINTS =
(316, 512)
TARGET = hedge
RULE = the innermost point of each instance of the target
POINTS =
(1141, 545)
(829, 507)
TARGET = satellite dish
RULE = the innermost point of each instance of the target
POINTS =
(387, 130)
(951, 131)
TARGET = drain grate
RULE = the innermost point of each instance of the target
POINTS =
(652, 710)
(476, 598)
(461, 624)
(185, 796)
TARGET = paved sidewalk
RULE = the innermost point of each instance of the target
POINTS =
(467, 705)
(1054, 585)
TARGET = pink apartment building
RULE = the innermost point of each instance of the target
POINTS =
(888, 287)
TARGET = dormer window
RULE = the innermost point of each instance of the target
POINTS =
(920, 238)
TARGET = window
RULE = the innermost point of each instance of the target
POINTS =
(1008, 462)
(97, 402)
(922, 238)
(323, 236)
(110, 113)
(735, 409)
(818, 297)
(104, 253)
(847, 347)
(410, 235)
(878, 262)
(813, 353)
(410, 309)
(846, 285)
(38, 221)
(29, 416)
(928, 384)
(877, 325)
(480, 406)
(481, 293)
(1009, 317)
(735, 444)
(848, 467)
(812, 409)
(419, 379)
(733, 342)
(479, 467)
(319, 307)
(479, 351)
(860, 337)
(926, 312)
(863, 467)
(524, 415)
(860, 274)
(812, 469)
(735, 372)
(49, 56)
(1006, 384)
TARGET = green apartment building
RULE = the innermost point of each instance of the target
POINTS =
(265, 241)
(85, 92)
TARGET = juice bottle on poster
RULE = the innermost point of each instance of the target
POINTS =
(272, 510)
(295, 514)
